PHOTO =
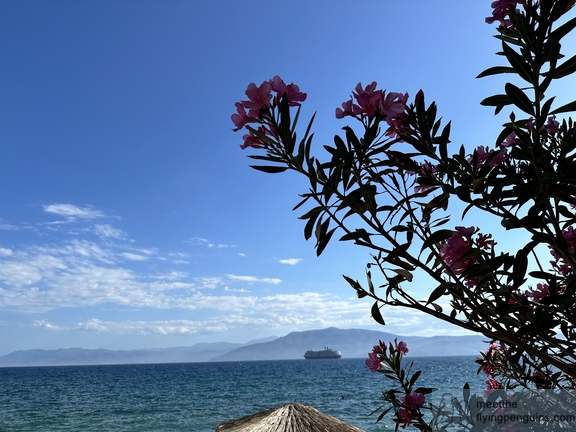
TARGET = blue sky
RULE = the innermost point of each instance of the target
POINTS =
(129, 217)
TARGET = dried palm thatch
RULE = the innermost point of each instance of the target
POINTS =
(291, 417)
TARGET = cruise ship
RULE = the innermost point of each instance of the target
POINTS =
(326, 353)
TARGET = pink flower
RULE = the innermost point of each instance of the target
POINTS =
(491, 384)
(483, 153)
(404, 418)
(551, 126)
(260, 97)
(251, 140)
(413, 400)
(292, 91)
(368, 100)
(510, 140)
(347, 111)
(540, 292)
(380, 348)
(401, 347)
(373, 362)
(393, 105)
(484, 241)
(455, 247)
(569, 235)
(241, 118)
(502, 9)
(425, 170)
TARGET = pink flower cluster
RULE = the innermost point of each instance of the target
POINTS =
(461, 242)
(260, 102)
(370, 102)
(490, 368)
(411, 403)
(552, 125)
(378, 354)
(542, 290)
(483, 153)
(426, 170)
(502, 9)
(558, 263)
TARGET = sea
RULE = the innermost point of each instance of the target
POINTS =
(196, 397)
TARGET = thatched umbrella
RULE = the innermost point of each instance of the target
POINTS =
(291, 417)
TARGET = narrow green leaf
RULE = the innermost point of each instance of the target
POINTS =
(404, 273)
(518, 63)
(437, 237)
(546, 107)
(310, 226)
(495, 70)
(569, 107)
(377, 315)
(562, 31)
(519, 98)
(520, 267)
(496, 101)
(323, 242)
(565, 69)
(269, 169)
(437, 293)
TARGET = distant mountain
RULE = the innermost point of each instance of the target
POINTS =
(200, 352)
(353, 343)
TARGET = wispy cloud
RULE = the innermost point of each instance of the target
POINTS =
(72, 212)
(252, 279)
(290, 261)
(5, 252)
(134, 257)
(108, 231)
(208, 243)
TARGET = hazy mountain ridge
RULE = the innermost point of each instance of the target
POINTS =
(353, 343)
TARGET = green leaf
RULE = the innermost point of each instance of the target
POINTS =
(309, 227)
(495, 70)
(437, 237)
(437, 293)
(518, 63)
(562, 31)
(519, 98)
(498, 101)
(546, 106)
(414, 377)
(323, 242)
(520, 267)
(312, 212)
(370, 284)
(269, 169)
(565, 69)
(377, 315)
(404, 273)
(565, 108)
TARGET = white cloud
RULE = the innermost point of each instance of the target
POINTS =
(219, 245)
(71, 211)
(254, 279)
(205, 242)
(241, 254)
(108, 230)
(167, 327)
(290, 261)
(5, 252)
(9, 227)
(134, 257)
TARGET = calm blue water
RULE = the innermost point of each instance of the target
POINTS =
(196, 397)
